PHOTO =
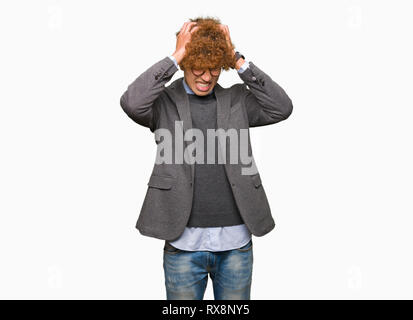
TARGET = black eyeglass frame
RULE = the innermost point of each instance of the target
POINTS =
(199, 75)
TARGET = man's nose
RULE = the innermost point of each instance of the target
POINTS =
(206, 76)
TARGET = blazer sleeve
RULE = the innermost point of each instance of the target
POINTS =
(265, 101)
(142, 97)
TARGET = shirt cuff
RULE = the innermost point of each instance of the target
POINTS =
(244, 66)
(174, 60)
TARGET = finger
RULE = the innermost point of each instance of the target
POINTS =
(227, 29)
(181, 30)
(194, 29)
(224, 28)
(185, 26)
(188, 26)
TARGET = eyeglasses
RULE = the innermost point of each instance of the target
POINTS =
(214, 72)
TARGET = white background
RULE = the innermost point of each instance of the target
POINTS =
(74, 167)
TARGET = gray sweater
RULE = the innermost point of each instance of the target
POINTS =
(213, 203)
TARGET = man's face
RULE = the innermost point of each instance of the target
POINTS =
(202, 82)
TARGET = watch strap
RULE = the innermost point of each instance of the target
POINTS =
(238, 55)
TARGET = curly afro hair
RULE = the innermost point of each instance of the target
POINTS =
(208, 48)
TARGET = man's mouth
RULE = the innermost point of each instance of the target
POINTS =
(203, 86)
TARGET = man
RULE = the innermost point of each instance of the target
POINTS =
(206, 210)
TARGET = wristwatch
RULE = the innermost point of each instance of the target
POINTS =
(238, 55)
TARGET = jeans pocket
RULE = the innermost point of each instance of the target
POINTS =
(246, 247)
(170, 249)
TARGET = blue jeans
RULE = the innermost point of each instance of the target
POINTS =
(186, 273)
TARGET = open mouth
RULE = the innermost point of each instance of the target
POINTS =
(203, 86)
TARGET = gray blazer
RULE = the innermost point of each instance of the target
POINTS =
(168, 201)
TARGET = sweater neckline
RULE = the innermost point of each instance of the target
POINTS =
(202, 99)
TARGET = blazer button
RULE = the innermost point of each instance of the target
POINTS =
(254, 79)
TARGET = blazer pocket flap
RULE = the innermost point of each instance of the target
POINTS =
(160, 182)
(256, 179)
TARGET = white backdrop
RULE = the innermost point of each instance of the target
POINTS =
(73, 175)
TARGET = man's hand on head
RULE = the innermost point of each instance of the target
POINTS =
(225, 30)
(183, 38)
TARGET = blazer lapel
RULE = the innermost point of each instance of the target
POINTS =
(223, 106)
(182, 104)
(223, 113)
